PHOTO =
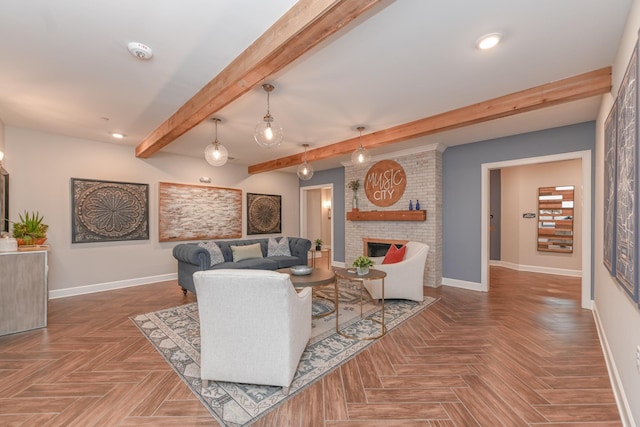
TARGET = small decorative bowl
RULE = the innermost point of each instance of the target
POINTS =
(301, 270)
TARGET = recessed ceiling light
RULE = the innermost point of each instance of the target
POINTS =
(488, 41)
(117, 135)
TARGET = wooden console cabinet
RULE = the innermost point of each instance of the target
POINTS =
(23, 291)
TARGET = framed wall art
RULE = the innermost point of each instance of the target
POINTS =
(264, 213)
(626, 216)
(196, 212)
(610, 157)
(4, 199)
(555, 219)
(103, 211)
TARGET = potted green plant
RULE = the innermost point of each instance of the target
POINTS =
(318, 242)
(30, 230)
(363, 264)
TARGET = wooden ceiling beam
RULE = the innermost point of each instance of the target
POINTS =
(570, 89)
(306, 24)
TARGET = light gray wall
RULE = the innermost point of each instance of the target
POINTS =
(42, 164)
(335, 177)
(461, 188)
(618, 313)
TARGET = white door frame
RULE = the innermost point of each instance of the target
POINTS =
(585, 156)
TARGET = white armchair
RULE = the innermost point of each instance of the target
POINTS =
(254, 326)
(405, 278)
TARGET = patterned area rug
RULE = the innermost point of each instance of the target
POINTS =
(175, 333)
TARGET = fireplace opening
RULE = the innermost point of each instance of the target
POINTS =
(374, 247)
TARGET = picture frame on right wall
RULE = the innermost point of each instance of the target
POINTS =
(609, 229)
(626, 214)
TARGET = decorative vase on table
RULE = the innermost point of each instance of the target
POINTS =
(362, 271)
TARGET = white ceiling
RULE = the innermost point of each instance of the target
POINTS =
(65, 68)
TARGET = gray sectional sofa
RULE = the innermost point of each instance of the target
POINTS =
(192, 258)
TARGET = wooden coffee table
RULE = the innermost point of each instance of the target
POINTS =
(318, 277)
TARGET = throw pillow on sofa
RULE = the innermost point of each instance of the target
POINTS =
(394, 255)
(276, 248)
(246, 252)
(214, 252)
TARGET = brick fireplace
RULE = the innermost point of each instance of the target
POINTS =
(423, 168)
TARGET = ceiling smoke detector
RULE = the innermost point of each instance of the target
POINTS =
(140, 51)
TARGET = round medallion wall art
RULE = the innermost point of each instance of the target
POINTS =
(263, 213)
(385, 183)
(107, 211)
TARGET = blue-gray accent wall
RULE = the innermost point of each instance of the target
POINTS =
(461, 187)
(495, 208)
(335, 177)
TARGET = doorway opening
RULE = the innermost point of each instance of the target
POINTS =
(585, 157)
(316, 219)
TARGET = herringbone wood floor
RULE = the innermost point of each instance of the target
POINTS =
(523, 354)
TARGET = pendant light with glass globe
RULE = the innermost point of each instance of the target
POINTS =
(360, 157)
(305, 170)
(216, 154)
(267, 134)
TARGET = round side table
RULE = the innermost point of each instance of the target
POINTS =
(352, 276)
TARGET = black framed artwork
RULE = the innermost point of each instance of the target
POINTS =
(610, 157)
(264, 213)
(104, 211)
(4, 200)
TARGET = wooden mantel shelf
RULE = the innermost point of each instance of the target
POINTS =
(420, 215)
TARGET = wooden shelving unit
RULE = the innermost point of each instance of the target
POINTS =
(420, 215)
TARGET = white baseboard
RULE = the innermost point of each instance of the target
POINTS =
(537, 269)
(463, 284)
(616, 383)
(101, 287)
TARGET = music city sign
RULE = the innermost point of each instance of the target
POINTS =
(385, 183)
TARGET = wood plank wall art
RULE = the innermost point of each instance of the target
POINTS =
(103, 211)
(196, 212)
(555, 219)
